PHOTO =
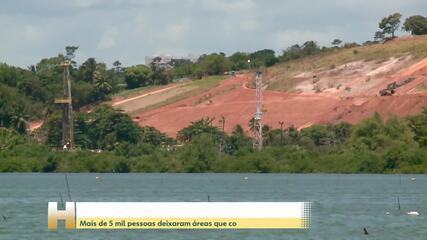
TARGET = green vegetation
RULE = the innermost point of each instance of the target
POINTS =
(417, 25)
(390, 24)
(28, 94)
(218, 63)
(195, 86)
(138, 76)
(108, 141)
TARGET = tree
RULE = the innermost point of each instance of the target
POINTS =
(70, 54)
(160, 74)
(108, 127)
(291, 53)
(369, 132)
(214, 64)
(265, 57)
(293, 135)
(50, 72)
(101, 82)
(417, 25)
(252, 124)
(151, 135)
(238, 140)
(336, 42)
(200, 154)
(390, 24)
(100, 78)
(10, 138)
(18, 120)
(95, 74)
(418, 125)
(137, 76)
(32, 68)
(342, 131)
(296, 51)
(198, 127)
(117, 66)
(267, 135)
(319, 134)
(239, 60)
(87, 70)
(310, 48)
(53, 129)
(183, 68)
(379, 36)
(373, 133)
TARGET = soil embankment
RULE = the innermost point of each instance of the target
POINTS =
(347, 93)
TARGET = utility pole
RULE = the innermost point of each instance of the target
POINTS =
(281, 132)
(257, 143)
(66, 102)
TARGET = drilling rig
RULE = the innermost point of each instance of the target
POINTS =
(66, 103)
(257, 143)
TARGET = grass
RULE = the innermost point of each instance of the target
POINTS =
(136, 91)
(197, 86)
(283, 73)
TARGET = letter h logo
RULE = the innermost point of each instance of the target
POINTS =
(69, 215)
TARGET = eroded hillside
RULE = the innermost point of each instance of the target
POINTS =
(346, 85)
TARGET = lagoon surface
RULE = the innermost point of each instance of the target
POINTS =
(342, 204)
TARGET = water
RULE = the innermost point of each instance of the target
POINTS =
(342, 204)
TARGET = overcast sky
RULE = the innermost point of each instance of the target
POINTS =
(128, 30)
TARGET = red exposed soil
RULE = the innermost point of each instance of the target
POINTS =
(236, 103)
(32, 126)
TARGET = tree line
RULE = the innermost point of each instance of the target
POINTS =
(107, 140)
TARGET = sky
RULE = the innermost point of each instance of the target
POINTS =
(129, 30)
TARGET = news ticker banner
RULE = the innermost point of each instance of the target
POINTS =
(181, 215)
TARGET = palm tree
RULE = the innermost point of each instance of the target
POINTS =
(101, 82)
(293, 134)
(32, 68)
(252, 124)
(88, 69)
(17, 120)
(198, 127)
(267, 134)
(238, 130)
(117, 66)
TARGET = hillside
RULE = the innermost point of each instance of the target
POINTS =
(342, 85)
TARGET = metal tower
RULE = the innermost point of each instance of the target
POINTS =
(257, 144)
(67, 117)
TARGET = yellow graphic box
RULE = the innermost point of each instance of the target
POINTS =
(181, 215)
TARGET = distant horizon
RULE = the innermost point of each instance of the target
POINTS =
(127, 30)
